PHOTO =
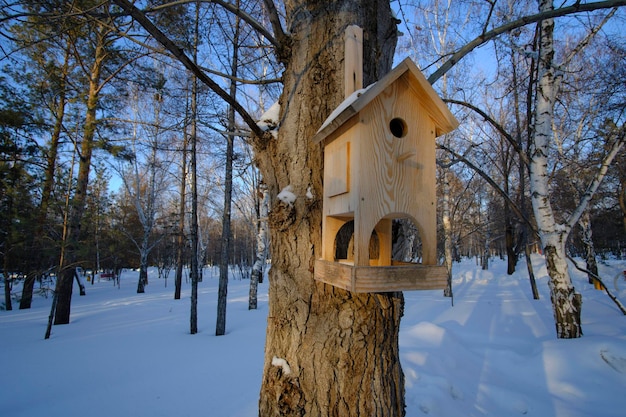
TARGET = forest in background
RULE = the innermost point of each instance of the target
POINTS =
(114, 156)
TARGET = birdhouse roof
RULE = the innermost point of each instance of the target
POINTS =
(444, 120)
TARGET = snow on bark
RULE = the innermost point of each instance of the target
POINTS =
(270, 120)
(287, 196)
(281, 363)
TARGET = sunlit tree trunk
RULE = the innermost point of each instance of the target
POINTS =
(48, 183)
(328, 352)
(566, 303)
(77, 204)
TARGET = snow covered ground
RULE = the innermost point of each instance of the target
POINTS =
(493, 353)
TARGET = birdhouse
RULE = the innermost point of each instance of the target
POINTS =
(379, 165)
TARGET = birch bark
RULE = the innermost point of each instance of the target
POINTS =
(566, 303)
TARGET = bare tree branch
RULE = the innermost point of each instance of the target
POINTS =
(620, 139)
(141, 18)
(604, 287)
(243, 80)
(496, 125)
(592, 33)
(283, 47)
(231, 8)
(523, 21)
(493, 184)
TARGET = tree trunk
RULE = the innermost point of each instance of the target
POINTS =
(447, 228)
(77, 206)
(328, 352)
(193, 316)
(590, 252)
(220, 326)
(261, 250)
(48, 182)
(509, 238)
(143, 271)
(565, 303)
(7, 288)
(180, 239)
(622, 201)
(529, 268)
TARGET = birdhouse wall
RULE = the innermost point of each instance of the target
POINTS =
(399, 180)
(372, 174)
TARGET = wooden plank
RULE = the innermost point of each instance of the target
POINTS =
(353, 62)
(334, 273)
(337, 173)
(405, 277)
(400, 278)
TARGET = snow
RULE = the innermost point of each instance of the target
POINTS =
(286, 195)
(281, 363)
(493, 353)
(344, 105)
(270, 119)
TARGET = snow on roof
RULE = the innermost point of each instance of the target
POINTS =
(343, 106)
(444, 120)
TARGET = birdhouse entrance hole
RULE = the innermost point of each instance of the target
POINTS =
(398, 127)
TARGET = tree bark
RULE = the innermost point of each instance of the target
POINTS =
(48, 183)
(77, 206)
(143, 269)
(447, 228)
(194, 273)
(566, 304)
(621, 196)
(590, 252)
(341, 348)
(261, 249)
(180, 238)
(220, 326)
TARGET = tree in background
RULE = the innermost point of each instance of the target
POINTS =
(17, 186)
(144, 176)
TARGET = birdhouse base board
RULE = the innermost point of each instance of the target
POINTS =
(397, 277)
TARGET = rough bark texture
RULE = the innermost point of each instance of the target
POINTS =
(341, 348)
(566, 303)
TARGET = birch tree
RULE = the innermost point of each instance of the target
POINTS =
(144, 178)
(566, 302)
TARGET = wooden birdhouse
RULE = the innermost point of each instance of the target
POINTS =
(379, 165)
